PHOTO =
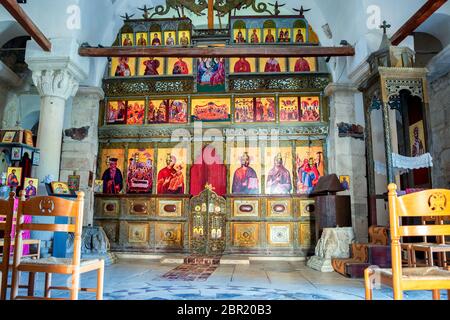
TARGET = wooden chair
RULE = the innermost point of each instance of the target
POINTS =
(422, 204)
(6, 215)
(54, 207)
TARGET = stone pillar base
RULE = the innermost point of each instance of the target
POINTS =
(334, 243)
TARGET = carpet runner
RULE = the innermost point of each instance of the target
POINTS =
(194, 268)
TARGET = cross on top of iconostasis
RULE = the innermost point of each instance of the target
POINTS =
(385, 26)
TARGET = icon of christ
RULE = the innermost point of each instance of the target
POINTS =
(245, 180)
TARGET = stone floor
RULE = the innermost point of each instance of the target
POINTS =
(260, 280)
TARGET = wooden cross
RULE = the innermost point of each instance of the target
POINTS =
(210, 14)
(385, 26)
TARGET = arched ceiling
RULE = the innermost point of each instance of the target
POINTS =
(353, 20)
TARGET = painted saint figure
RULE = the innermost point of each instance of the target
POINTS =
(170, 41)
(170, 178)
(299, 37)
(279, 178)
(245, 180)
(112, 178)
(308, 174)
(156, 41)
(302, 65)
(240, 38)
(242, 65)
(127, 41)
(417, 148)
(180, 67)
(30, 190)
(142, 41)
(13, 181)
(254, 38)
(269, 37)
(184, 40)
(272, 65)
(123, 69)
(151, 67)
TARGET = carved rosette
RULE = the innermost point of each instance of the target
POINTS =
(55, 83)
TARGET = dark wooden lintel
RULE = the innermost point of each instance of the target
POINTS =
(224, 52)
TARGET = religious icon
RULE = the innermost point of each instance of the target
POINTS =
(169, 37)
(158, 111)
(31, 187)
(310, 167)
(265, 109)
(278, 179)
(28, 136)
(217, 109)
(140, 171)
(289, 109)
(178, 111)
(171, 178)
(9, 137)
(299, 35)
(269, 35)
(243, 65)
(284, 36)
(74, 183)
(417, 139)
(60, 188)
(244, 110)
(135, 112)
(16, 154)
(302, 64)
(255, 34)
(272, 65)
(239, 36)
(184, 38)
(142, 39)
(116, 112)
(309, 109)
(345, 182)
(153, 66)
(211, 74)
(14, 177)
(127, 39)
(179, 66)
(98, 186)
(112, 178)
(156, 38)
(123, 67)
(245, 178)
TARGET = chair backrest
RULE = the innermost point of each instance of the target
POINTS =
(6, 222)
(50, 207)
(428, 205)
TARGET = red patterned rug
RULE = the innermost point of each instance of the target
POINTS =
(194, 268)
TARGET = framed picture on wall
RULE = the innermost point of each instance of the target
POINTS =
(60, 188)
(36, 158)
(74, 183)
(16, 154)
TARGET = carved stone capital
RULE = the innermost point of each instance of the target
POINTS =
(55, 83)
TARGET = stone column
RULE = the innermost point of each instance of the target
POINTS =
(80, 144)
(55, 86)
(347, 156)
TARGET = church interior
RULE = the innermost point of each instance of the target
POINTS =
(225, 150)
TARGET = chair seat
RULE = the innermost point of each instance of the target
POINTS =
(426, 273)
(57, 261)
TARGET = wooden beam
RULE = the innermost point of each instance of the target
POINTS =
(430, 7)
(24, 20)
(210, 14)
(224, 52)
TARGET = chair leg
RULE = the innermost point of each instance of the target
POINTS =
(431, 258)
(48, 283)
(75, 287)
(4, 285)
(448, 294)
(15, 284)
(436, 295)
(100, 278)
(368, 284)
(413, 258)
(31, 280)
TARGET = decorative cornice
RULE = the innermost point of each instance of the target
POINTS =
(403, 73)
(94, 92)
(360, 74)
(332, 88)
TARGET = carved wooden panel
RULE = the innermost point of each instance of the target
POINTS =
(169, 235)
(279, 208)
(279, 234)
(245, 235)
(138, 207)
(307, 207)
(110, 207)
(111, 229)
(246, 208)
(306, 234)
(169, 208)
(138, 233)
